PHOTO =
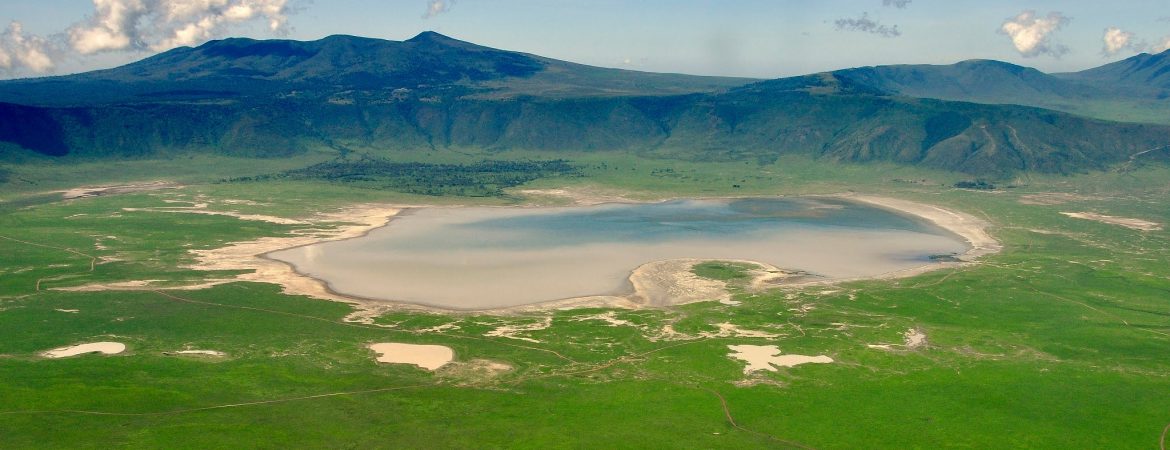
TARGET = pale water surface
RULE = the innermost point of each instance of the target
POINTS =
(483, 257)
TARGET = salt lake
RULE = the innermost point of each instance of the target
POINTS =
(475, 258)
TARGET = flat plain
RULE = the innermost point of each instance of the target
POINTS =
(1056, 341)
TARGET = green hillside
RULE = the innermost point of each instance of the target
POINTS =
(1132, 90)
(248, 98)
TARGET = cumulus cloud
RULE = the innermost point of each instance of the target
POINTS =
(436, 7)
(1161, 46)
(113, 26)
(900, 4)
(19, 50)
(1031, 34)
(1117, 40)
(137, 25)
(866, 25)
(165, 24)
(194, 21)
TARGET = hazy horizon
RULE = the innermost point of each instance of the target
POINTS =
(753, 38)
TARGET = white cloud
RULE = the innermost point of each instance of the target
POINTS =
(900, 4)
(135, 25)
(192, 22)
(1161, 46)
(113, 26)
(21, 51)
(866, 25)
(1117, 40)
(436, 7)
(164, 24)
(1031, 34)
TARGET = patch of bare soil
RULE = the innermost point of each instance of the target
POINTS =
(474, 371)
(1133, 224)
(513, 331)
(105, 348)
(94, 191)
(429, 357)
(966, 226)
(211, 353)
(1054, 198)
(580, 196)
(768, 357)
(202, 208)
(248, 255)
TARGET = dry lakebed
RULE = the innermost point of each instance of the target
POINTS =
(611, 254)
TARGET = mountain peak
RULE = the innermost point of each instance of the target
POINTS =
(1149, 73)
(436, 41)
(431, 36)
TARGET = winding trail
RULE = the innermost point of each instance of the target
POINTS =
(1162, 440)
(1133, 158)
(731, 420)
(92, 259)
(214, 407)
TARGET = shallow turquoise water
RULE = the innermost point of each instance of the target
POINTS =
(482, 258)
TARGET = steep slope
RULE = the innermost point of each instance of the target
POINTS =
(234, 68)
(1140, 75)
(1128, 91)
(839, 119)
(979, 81)
(272, 98)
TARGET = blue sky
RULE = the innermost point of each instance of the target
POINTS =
(754, 38)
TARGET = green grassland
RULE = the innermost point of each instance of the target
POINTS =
(1059, 341)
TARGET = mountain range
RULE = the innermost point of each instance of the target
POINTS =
(269, 98)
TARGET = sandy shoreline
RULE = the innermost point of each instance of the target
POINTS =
(655, 284)
(972, 229)
(250, 255)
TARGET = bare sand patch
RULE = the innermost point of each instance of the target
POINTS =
(609, 317)
(668, 333)
(580, 196)
(914, 338)
(1133, 224)
(513, 331)
(966, 226)
(768, 357)
(439, 328)
(733, 330)
(474, 372)
(349, 223)
(105, 348)
(673, 282)
(1054, 198)
(232, 201)
(214, 353)
(142, 285)
(429, 357)
(93, 191)
(201, 208)
(664, 283)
